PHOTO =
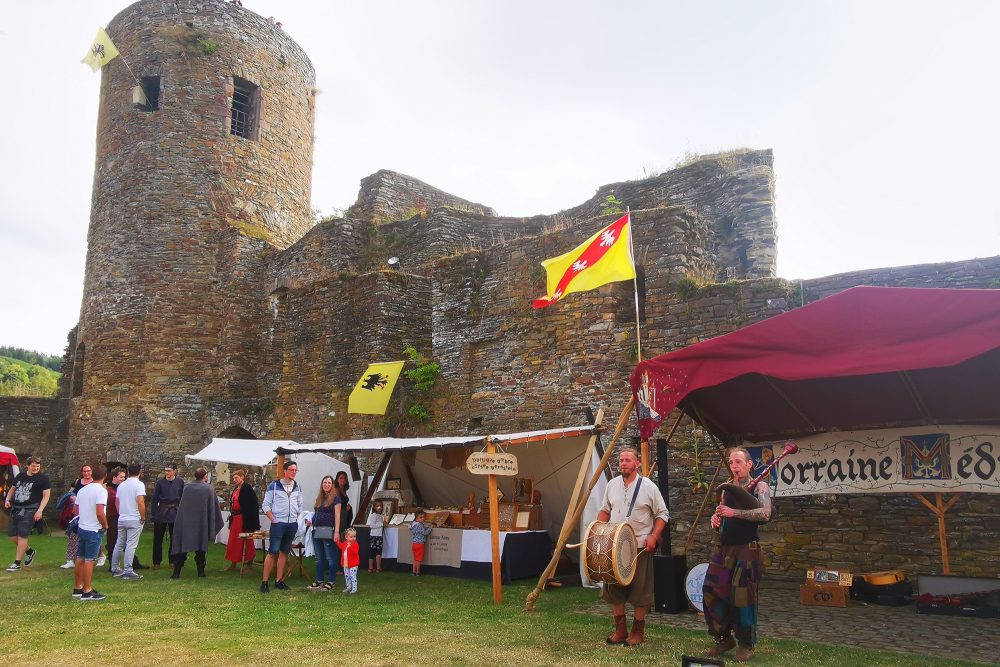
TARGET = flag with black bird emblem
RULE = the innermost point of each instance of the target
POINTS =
(372, 392)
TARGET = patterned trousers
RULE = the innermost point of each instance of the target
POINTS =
(730, 592)
(351, 577)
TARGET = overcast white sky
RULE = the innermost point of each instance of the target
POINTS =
(883, 117)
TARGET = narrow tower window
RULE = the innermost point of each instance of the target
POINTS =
(79, 361)
(246, 109)
(151, 87)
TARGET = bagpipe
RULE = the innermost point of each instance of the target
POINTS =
(741, 497)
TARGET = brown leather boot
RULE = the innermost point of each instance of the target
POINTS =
(621, 631)
(743, 653)
(638, 633)
(722, 644)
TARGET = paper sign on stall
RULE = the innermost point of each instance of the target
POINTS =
(485, 463)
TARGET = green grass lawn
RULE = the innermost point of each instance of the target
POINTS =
(395, 619)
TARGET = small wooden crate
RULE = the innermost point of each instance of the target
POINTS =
(823, 594)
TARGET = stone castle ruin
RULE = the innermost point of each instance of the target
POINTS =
(213, 306)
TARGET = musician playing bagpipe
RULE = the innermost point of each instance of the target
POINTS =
(730, 588)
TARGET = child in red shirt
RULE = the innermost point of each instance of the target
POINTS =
(350, 559)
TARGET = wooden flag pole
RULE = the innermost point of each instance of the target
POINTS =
(581, 501)
(495, 528)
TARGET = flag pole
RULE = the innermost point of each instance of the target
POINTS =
(644, 444)
(635, 286)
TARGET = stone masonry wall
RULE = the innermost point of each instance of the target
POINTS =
(175, 290)
(387, 195)
(330, 331)
(36, 427)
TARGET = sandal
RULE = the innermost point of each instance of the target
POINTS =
(370, 570)
(314, 586)
(328, 586)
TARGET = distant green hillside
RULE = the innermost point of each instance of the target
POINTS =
(19, 378)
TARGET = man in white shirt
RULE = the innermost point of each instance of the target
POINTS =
(637, 500)
(131, 504)
(91, 502)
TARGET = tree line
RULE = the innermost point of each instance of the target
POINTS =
(19, 378)
(51, 362)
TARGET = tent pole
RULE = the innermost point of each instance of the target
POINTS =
(701, 510)
(564, 533)
(940, 508)
(279, 465)
(943, 535)
(383, 467)
(581, 502)
(645, 443)
(495, 529)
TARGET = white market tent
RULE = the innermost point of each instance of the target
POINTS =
(261, 453)
(550, 457)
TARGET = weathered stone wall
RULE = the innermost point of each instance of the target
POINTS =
(329, 331)
(386, 196)
(36, 427)
(731, 194)
(175, 290)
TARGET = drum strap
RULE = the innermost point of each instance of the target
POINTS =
(635, 494)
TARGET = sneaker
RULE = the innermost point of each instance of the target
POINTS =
(92, 596)
(264, 588)
(353, 591)
(68, 565)
(77, 592)
(14, 567)
(346, 590)
(281, 585)
(101, 561)
(314, 586)
(132, 576)
(116, 573)
(29, 556)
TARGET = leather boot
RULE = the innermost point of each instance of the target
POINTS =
(722, 645)
(743, 653)
(638, 633)
(621, 631)
(177, 571)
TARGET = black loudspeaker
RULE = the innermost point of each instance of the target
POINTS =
(668, 584)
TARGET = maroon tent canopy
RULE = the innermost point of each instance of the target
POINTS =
(868, 357)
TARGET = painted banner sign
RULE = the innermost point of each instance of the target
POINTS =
(932, 458)
(485, 463)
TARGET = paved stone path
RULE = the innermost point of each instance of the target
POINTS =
(898, 629)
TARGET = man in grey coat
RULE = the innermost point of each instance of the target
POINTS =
(198, 521)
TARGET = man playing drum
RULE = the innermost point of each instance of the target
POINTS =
(730, 588)
(638, 501)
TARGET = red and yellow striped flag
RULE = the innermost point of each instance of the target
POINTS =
(605, 257)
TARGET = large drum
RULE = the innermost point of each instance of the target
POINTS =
(611, 552)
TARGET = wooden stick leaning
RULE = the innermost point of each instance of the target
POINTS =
(701, 510)
(576, 504)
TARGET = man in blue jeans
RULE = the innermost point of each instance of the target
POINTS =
(282, 505)
(91, 502)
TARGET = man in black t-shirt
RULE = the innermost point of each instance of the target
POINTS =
(26, 501)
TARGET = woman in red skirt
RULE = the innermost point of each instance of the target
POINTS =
(244, 518)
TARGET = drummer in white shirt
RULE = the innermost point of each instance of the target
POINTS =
(638, 501)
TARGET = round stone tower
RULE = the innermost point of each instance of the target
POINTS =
(204, 159)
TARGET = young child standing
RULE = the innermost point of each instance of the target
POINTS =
(376, 521)
(419, 531)
(350, 559)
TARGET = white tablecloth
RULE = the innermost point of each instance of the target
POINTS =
(476, 546)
